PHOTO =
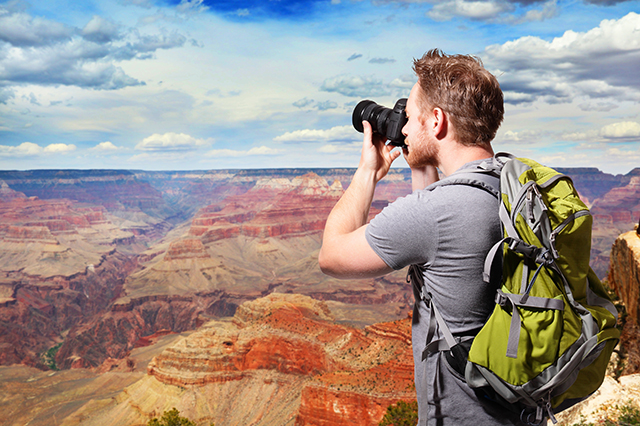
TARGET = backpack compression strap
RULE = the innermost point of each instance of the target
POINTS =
(482, 177)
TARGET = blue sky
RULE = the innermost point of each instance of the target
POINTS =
(198, 84)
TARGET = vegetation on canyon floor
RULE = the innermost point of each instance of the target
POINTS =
(401, 414)
(172, 418)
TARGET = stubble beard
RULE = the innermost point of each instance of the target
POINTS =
(420, 155)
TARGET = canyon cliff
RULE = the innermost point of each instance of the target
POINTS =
(251, 244)
(96, 267)
(280, 360)
(624, 279)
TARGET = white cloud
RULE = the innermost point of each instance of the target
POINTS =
(30, 149)
(549, 10)
(338, 133)
(598, 64)
(477, 10)
(171, 142)
(105, 147)
(100, 30)
(43, 52)
(25, 149)
(623, 130)
(20, 29)
(59, 148)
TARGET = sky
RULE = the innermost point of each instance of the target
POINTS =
(201, 85)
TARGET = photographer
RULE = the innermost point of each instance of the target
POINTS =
(453, 113)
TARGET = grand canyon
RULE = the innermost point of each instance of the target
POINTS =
(124, 293)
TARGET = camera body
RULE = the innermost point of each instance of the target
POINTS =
(385, 121)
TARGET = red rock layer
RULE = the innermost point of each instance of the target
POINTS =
(31, 219)
(189, 248)
(272, 208)
(41, 309)
(353, 374)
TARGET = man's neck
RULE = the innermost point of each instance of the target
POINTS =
(459, 155)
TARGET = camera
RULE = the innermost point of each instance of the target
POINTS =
(385, 121)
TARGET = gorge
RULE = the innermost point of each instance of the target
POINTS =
(201, 289)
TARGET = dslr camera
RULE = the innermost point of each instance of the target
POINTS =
(385, 121)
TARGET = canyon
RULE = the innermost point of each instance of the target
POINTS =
(204, 286)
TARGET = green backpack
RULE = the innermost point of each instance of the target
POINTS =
(548, 341)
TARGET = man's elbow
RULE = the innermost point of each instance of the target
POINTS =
(332, 264)
(327, 263)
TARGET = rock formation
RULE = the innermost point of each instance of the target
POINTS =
(614, 213)
(341, 375)
(624, 279)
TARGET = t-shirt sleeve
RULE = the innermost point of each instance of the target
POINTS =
(405, 232)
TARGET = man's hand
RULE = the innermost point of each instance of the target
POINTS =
(345, 252)
(376, 156)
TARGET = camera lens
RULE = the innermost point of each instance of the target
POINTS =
(375, 114)
(385, 121)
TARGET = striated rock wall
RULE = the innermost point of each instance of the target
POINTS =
(276, 207)
(613, 214)
(624, 279)
(624, 273)
(344, 375)
(38, 311)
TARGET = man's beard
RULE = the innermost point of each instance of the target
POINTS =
(421, 155)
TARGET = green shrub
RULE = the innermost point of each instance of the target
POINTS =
(401, 414)
(171, 418)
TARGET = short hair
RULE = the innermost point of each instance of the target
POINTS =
(465, 90)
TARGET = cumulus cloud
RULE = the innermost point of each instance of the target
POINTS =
(25, 149)
(30, 149)
(355, 86)
(21, 30)
(59, 148)
(105, 147)
(171, 142)
(338, 133)
(476, 10)
(597, 64)
(623, 130)
(40, 51)
(259, 150)
(100, 30)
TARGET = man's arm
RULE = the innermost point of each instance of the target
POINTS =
(345, 252)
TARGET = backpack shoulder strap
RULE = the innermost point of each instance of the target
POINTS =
(485, 176)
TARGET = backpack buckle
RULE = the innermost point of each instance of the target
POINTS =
(501, 299)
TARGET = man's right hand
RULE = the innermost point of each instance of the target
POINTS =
(376, 155)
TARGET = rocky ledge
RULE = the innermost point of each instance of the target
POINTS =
(345, 375)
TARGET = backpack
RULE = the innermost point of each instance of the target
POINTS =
(548, 341)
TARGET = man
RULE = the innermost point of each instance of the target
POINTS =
(453, 111)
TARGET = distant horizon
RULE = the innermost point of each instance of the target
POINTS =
(210, 85)
(406, 169)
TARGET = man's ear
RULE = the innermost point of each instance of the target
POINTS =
(440, 123)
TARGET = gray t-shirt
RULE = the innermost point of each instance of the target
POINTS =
(447, 231)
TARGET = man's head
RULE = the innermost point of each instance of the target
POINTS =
(461, 87)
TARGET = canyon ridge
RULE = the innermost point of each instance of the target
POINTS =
(125, 293)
